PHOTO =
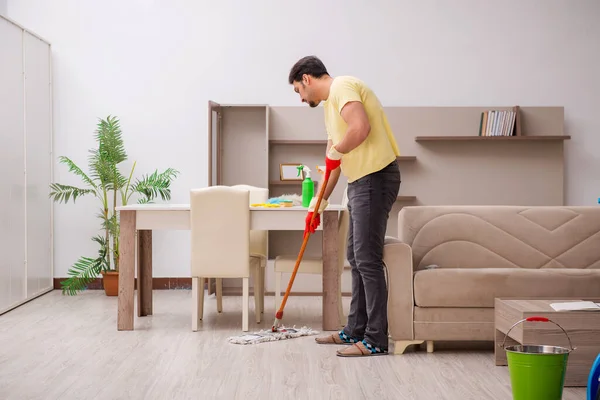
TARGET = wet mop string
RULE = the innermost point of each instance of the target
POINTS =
(279, 314)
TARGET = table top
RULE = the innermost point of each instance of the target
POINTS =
(543, 305)
(186, 207)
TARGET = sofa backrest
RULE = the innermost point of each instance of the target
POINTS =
(501, 236)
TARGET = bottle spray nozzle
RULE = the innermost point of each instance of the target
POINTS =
(305, 169)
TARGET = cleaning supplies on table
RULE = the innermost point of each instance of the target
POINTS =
(287, 200)
(308, 186)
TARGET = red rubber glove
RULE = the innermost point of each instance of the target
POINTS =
(332, 162)
(333, 159)
(315, 224)
(312, 209)
(331, 165)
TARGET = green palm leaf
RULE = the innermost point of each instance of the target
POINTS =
(81, 274)
(155, 185)
(85, 270)
(63, 193)
(110, 140)
(75, 169)
(103, 161)
(101, 169)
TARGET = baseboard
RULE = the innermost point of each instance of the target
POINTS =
(185, 284)
(22, 302)
(157, 283)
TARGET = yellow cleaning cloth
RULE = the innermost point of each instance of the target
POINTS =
(265, 205)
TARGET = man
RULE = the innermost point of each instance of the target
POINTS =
(361, 142)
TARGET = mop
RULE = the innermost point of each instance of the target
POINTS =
(278, 331)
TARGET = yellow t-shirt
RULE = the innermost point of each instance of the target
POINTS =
(380, 147)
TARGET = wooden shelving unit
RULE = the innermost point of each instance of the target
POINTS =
(406, 198)
(299, 142)
(491, 138)
(456, 163)
(289, 183)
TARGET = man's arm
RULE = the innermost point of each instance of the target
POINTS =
(333, 177)
(359, 127)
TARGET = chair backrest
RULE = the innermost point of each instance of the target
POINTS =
(220, 225)
(258, 239)
(345, 197)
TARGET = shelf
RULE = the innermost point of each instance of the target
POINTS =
(406, 158)
(289, 183)
(406, 198)
(286, 141)
(492, 138)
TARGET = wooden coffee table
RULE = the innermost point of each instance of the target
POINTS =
(583, 328)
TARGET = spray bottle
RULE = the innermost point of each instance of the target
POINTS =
(308, 186)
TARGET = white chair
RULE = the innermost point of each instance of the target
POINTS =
(220, 243)
(314, 265)
(258, 248)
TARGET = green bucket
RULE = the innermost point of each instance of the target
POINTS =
(537, 372)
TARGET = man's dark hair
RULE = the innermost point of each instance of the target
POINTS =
(310, 65)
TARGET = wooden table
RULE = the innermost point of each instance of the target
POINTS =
(144, 218)
(583, 328)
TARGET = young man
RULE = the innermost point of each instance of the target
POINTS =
(361, 142)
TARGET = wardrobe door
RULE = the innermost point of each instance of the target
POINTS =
(12, 164)
(38, 141)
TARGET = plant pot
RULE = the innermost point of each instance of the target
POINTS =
(110, 281)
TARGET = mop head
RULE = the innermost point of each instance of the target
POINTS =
(269, 336)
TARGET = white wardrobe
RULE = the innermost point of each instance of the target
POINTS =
(26, 227)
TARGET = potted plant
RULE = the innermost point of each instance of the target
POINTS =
(106, 182)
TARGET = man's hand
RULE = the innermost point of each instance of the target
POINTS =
(312, 227)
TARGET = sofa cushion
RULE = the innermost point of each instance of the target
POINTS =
(478, 287)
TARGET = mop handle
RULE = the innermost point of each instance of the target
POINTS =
(304, 242)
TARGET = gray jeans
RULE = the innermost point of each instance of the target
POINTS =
(370, 200)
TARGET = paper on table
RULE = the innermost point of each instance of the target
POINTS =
(576, 306)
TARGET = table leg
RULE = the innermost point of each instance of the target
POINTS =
(331, 275)
(144, 283)
(126, 270)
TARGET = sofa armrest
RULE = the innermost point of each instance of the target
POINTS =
(390, 240)
(397, 257)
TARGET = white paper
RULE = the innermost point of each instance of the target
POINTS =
(576, 306)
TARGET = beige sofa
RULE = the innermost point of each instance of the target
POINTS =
(449, 263)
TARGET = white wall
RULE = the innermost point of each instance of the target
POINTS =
(156, 63)
(3, 7)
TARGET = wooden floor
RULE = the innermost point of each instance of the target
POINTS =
(59, 347)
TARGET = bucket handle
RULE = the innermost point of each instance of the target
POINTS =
(537, 319)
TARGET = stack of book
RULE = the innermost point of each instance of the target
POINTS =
(498, 123)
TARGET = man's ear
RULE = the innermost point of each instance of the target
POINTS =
(305, 79)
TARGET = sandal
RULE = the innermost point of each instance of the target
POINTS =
(362, 349)
(336, 338)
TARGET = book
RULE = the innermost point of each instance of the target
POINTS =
(576, 306)
(499, 123)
